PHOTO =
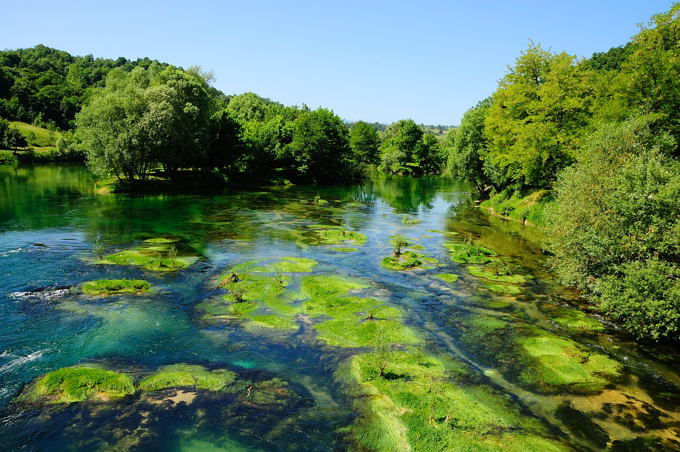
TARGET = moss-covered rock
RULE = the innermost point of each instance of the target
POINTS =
(188, 375)
(467, 253)
(77, 384)
(115, 286)
(411, 401)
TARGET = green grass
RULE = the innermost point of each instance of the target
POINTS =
(8, 158)
(36, 136)
(115, 286)
(188, 375)
(76, 384)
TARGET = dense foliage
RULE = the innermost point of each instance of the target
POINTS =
(407, 149)
(602, 134)
(49, 86)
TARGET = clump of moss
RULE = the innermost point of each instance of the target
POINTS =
(115, 286)
(404, 257)
(447, 277)
(76, 384)
(405, 219)
(188, 375)
(408, 400)
(468, 253)
(343, 249)
(481, 272)
(156, 255)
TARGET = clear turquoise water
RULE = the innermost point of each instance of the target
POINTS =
(50, 220)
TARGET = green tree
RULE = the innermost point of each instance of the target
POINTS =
(649, 76)
(400, 145)
(365, 143)
(319, 151)
(14, 139)
(466, 157)
(537, 118)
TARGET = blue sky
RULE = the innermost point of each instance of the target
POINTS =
(376, 60)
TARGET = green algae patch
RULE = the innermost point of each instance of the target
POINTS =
(344, 320)
(188, 375)
(447, 277)
(481, 272)
(280, 265)
(405, 219)
(153, 257)
(77, 384)
(271, 321)
(560, 364)
(318, 286)
(407, 400)
(405, 261)
(535, 358)
(102, 287)
(344, 249)
(358, 332)
(321, 234)
(576, 320)
(509, 289)
(467, 253)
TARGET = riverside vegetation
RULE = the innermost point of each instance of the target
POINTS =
(387, 314)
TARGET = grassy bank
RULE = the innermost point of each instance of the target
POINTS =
(527, 209)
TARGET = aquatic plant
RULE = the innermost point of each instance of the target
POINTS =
(404, 261)
(321, 234)
(468, 253)
(491, 275)
(148, 260)
(76, 384)
(115, 286)
(399, 242)
(405, 219)
(447, 277)
(187, 375)
(509, 289)
(576, 320)
(408, 400)
(277, 265)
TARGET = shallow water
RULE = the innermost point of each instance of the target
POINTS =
(50, 221)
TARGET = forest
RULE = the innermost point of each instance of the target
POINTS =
(587, 150)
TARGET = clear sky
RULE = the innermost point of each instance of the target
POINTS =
(376, 60)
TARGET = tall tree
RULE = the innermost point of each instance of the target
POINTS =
(365, 143)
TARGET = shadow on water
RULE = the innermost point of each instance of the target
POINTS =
(51, 224)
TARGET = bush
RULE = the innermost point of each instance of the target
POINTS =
(615, 219)
(645, 298)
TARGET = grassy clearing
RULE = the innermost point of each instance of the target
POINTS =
(115, 286)
(36, 136)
